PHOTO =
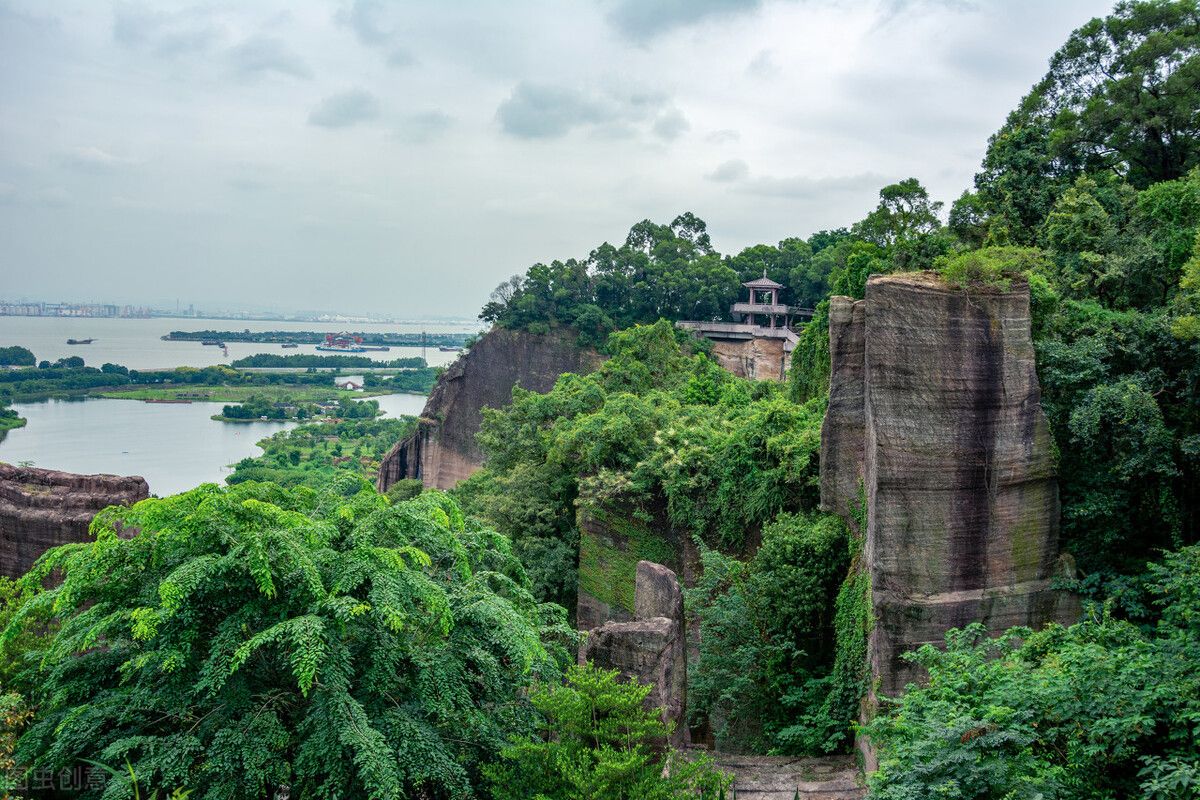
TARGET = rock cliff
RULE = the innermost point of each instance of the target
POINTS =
(935, 421)
(442, 451)
(41, 508)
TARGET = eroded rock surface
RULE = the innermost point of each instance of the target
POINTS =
(41, 508)
(785, 777)
(935, 412)
(443, 451)
(649, 650)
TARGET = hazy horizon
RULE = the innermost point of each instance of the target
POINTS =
(363, 158)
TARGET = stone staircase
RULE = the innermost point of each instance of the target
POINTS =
(781, 777)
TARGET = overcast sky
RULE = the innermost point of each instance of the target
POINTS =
(378, 157)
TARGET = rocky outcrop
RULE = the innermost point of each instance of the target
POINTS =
(613, 539)
(935, 413)
(41, 508)
(650, 649)
(787, 777)
(442, 450)
(760, 358)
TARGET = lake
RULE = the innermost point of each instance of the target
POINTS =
(174, 446)
(136, 343)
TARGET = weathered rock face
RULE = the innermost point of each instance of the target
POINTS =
(442, 451)
(41, 508)
(649, 649)
(935, 412)
(759, 358)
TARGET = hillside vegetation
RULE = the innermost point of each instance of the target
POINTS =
(298, 633)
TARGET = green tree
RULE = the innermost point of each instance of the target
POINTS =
(598, 742)
(1099, 709)
(1119, 97)
(254, 638)
(16, 356)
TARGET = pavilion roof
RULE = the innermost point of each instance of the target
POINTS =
(762, 283)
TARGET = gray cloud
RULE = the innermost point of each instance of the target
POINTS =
(641, 20)
(671, 124)
(548, 111)
(345, 109)
(729, 171)
(261, 55)
(374, 25)
(422, 128)
(163, 33)
(541, 111)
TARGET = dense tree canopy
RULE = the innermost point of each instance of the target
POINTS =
(255, 639)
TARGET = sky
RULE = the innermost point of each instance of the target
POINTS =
(401, 159)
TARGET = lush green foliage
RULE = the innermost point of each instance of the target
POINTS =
(1101, 709)
(9, 419)
(314, 454)
(767, 646)
(16, 356)
(654, 428)
(254, 638)
(1119, 99)
(989, 267)
(67, 378)
(599, 743)
(317, 337)
(660, 272)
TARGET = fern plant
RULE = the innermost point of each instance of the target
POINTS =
(253, 640)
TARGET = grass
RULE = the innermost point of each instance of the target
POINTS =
(607, 571)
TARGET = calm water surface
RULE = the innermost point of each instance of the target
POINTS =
(174, 446)
(135, 343)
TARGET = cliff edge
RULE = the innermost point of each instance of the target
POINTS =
(935, 421)
(442, 451)
(42, 508)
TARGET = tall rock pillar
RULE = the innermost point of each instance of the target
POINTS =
(935, 419)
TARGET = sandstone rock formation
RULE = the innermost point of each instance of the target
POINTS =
(760, 358)
(651, 649)
(442, 451)
(935, 413)
(41, 508)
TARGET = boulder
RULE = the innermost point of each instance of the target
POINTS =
(649, 649)
(656, 592)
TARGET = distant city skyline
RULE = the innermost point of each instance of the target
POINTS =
(93, 308)
(403, 159)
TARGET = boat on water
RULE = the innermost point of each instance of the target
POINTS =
(445, 348)
(213, 342)
(342, 343)
(289, 345)
(339, 349)
(80, 341)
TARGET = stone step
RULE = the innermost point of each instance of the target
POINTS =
(782, 777)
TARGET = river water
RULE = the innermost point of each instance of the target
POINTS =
(136, 343)
(174, 446)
